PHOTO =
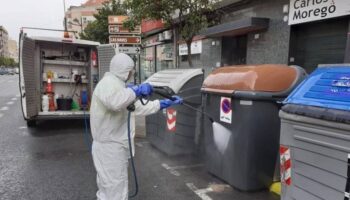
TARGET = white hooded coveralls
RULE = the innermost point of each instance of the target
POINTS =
(108, 118)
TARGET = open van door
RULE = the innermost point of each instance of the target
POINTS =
(105, 55)
(27, 78)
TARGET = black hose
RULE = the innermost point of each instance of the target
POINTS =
(132, 160)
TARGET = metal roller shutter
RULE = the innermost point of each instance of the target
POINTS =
(321, 42)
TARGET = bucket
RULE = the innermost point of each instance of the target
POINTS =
(64, 104)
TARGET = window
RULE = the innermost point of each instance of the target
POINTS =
(165, 57)
(147, 63)
(184, 58)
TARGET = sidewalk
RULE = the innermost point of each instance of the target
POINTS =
(180, 177)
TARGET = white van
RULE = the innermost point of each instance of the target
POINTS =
(73, 68)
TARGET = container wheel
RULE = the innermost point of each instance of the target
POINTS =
(31, 123)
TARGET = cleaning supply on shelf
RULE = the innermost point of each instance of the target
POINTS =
(84, 100)
(49, 74)
(51, 102)
(75, 106)
(74, 73)
(45, 103)
(49, 88)
(64, 104)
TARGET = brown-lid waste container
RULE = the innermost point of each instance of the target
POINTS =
(244, 100)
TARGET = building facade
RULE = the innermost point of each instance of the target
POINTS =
(13, 49)
(158, 49)
(78, 17)
(291, 32)
(250, 32)
(3, 42)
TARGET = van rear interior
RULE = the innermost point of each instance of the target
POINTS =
(70, 65)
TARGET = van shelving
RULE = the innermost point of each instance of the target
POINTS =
(65, 62)
(38, 55)
(62, 80)
(65, 71)
(71, 70)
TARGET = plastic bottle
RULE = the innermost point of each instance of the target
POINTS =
(49, 88)
(45, 103)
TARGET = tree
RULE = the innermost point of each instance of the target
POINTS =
(7, 62)
(98, 29)
(189, 17)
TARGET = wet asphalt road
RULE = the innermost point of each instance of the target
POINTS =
(51, 161)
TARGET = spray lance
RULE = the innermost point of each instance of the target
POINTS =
(165, 92)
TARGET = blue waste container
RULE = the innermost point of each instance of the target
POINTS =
(315, 137)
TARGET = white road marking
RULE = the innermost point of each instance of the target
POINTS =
(10, 103)
(22, 127)
(14, 99)
(201, 193)
(4, 108)
(187, 166)
(1, 115)
(173, 170)
(139, 144)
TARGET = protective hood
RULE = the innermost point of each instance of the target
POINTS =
(121, 65)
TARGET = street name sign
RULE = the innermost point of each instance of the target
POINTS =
(129, 50)
(124, 39)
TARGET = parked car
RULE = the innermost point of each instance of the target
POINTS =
(11, 71)
(3, 71)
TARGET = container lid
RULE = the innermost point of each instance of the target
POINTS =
(335, 115)
(173, 78)
(327, 87)
(271, 78)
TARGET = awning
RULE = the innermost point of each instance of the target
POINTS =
(239, 27)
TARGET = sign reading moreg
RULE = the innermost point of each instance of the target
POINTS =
(302, 11)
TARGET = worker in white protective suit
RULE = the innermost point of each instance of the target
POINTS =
(108, 118)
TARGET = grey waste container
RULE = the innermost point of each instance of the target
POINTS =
(315, 137)
(173, 130)
(243, 100)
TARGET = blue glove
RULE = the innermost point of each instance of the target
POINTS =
(165, 103)
(144, 89)
(177, 100)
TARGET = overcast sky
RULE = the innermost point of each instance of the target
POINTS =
(33, 13)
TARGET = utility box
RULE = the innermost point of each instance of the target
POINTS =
(244, 99)
(315, 137)
(173, 130)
